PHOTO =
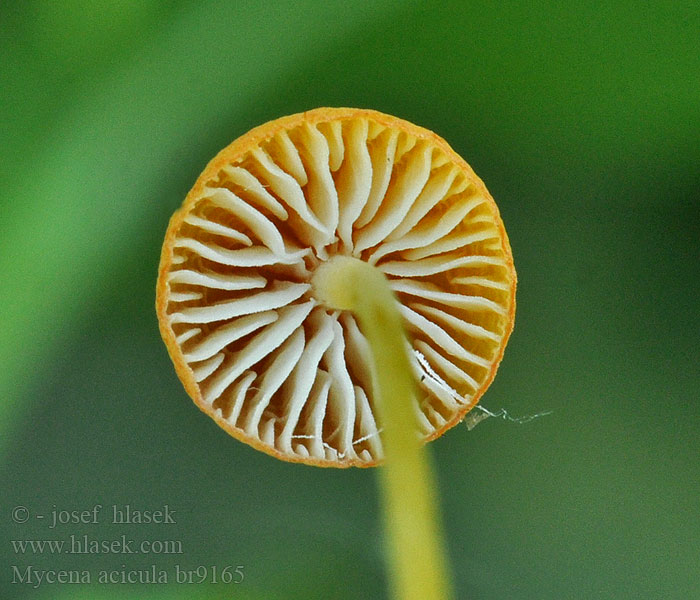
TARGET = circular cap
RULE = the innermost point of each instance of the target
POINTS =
(261, 353)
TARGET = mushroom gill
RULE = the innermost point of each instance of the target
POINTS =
(254, 344)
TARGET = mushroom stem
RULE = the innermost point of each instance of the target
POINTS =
(418, 564)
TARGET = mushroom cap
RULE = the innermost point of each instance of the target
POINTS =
(268, 360)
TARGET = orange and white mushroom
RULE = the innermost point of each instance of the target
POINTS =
(260, 350)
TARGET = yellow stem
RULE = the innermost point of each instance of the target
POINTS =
(418, 565)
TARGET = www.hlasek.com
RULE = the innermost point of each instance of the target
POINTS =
(85, 544)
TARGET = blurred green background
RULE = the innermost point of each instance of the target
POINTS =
(584, 122)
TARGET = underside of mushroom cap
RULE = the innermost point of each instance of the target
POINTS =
(254, 345)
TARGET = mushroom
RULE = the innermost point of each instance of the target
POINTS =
(258, 344)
